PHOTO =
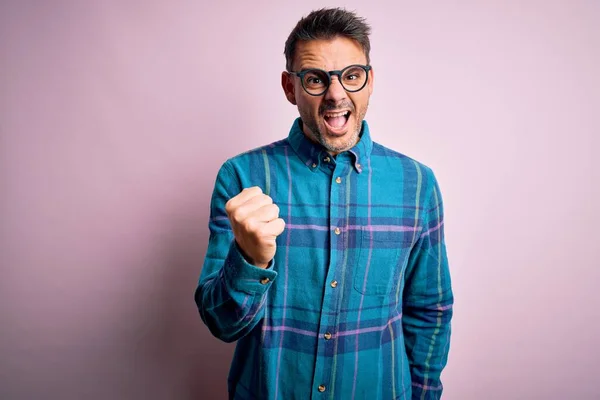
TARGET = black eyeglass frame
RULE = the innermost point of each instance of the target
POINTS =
(329, 74)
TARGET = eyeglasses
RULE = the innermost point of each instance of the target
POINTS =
(315, 81)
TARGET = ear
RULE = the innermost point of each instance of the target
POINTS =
(287, 83)
(371, 81)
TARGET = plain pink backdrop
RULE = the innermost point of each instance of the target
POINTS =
(115, 117)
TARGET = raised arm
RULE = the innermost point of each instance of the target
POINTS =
(238, 267)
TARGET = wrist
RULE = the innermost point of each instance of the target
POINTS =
(249, 259)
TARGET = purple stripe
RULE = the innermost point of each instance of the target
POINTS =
(309, 227)
(220, 218)
(444, 308)
(370, 329)
(352, 205)
(291, 329)
(432, 229)
(245, 301)
(427, 387)
(283, 328)
(341, 310)
(256, 310)
(382, 228)
(372, 228)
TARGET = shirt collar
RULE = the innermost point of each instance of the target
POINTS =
(312, 153)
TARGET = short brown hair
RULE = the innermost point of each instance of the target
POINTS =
(328, 23)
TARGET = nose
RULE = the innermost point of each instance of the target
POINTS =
(335, 92)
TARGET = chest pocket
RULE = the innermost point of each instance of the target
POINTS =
(382, 256)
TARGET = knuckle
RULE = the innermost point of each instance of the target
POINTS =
(235, 217)
(249, 225)
(274, 208)
(265, 199)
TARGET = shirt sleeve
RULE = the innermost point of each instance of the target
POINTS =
(427, 302)
(231, 293)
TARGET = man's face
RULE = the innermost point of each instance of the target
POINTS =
(320, 115)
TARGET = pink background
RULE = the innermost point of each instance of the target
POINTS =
(115, 116)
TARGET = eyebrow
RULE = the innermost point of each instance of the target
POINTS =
(322, 69)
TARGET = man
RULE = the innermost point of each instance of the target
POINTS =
(326, 259)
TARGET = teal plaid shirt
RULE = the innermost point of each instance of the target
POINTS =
(357, 302)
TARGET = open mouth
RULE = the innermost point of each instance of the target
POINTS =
(336, 121)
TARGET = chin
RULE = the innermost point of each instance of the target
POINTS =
(338, 144)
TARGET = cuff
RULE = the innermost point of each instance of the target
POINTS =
(242, 276)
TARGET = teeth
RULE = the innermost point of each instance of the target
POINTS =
(339, 114)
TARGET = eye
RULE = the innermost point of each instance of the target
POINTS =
(315, 79)
(354, 73)
(354, 77)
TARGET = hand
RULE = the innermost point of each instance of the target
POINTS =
(256, 224)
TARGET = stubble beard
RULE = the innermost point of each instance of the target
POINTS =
(310, 121)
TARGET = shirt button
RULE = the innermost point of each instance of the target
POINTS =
(322, 388)
(338, 180)
(327, 336)
(326, 159)
(337, 231)
(314, 165)
(358, 165)
(264, 281)
(333, 284)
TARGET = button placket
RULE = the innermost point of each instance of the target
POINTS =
(338, 224)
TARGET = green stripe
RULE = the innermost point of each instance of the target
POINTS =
(416, 223)
(267, 173)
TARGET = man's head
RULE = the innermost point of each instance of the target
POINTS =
(329, 40)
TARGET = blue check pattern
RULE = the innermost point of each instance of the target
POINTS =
(357, 302)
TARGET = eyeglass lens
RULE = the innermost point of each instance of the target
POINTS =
(316, 81)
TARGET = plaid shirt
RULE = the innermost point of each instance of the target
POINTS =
(357, 302)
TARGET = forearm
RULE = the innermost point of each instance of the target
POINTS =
(427, 302)
(426, 325)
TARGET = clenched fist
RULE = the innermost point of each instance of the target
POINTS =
(256, 224)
